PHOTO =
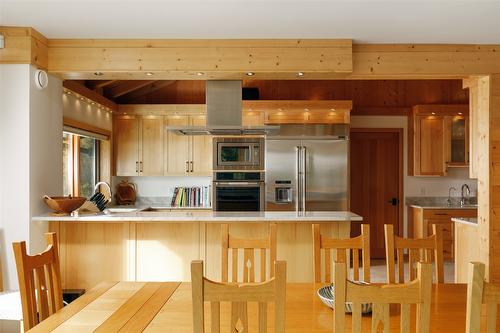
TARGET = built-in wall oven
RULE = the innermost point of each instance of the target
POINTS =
(238, 153)
(238, 191)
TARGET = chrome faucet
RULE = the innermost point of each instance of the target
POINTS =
(96, 188)
(465, 199)
(449, 201)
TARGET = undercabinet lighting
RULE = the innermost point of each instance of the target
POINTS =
(250, 73)
(300, 74)
(98, 74)
(200, 73)
(149, 74)
(306, 110)
(332, 110)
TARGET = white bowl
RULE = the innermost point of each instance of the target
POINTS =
(326, 295)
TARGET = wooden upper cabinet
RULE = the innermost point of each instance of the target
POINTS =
(151, 146)
(126, 134)
(437, 139)
(138, 145)
(177, 155)
(274, 112)
(201, 150)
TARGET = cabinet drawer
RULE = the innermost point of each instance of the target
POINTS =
(448, 213)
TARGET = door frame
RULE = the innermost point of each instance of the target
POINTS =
(399, 132)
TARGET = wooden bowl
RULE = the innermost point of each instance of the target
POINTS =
(64, 204)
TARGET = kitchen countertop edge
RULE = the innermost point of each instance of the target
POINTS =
(465, 220)
(207, 216)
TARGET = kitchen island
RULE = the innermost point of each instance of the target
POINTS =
(159, 246)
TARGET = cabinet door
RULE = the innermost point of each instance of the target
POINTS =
(177, 155)
(127, 145)
(151, 146)
(253, 118)
(430, 145)
(201, 148)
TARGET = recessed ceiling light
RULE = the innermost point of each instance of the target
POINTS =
(332, 109)
(250, 73)
(280, 109)
(92, 103)
(200, 73)
(460, 113)
(433, 113)
(98, 74)
(68, 92)
(300, 74)
(149, 74)
(306, 110)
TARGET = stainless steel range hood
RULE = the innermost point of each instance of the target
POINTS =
(224, 113)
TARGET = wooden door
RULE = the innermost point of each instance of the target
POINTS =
(376, 176)
(151, 146)
(127, 145)
(201, 148)
(430, 139)
(177, 155)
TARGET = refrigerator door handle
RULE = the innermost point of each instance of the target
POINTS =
(303, 175)
(297, 196)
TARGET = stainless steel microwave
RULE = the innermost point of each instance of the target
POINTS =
(238, 153)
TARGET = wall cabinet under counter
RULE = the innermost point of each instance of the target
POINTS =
(423, 219)
(437, 139)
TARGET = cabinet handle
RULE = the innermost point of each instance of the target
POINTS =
(141, 169)
(136, 166)
(191, 169)
(187, 166)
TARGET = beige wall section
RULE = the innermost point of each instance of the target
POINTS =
(76, 109)
(417, 186)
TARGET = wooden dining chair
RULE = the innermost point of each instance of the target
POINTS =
(39, 281)
(343, 248)
(417, 291)
(422, 249)
(231, 247)
(205, 290)
(480, 292)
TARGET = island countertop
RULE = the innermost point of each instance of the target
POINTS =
(206, 216)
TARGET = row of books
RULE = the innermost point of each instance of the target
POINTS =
(191, 197)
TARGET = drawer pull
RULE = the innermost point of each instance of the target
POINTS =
(443, 214)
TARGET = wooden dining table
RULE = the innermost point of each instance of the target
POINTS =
(166, 307)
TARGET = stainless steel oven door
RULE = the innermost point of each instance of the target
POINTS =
(238, 196)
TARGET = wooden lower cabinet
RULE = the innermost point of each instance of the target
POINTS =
(466, 244)
(423, 219)
(154, 251)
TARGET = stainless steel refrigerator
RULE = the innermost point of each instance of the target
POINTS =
(307, 175)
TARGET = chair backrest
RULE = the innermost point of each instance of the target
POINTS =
(39, 281)
(419, 250)
(205, 290)
(343, 248)
(416, 292)
(480, 292)
(231, 247)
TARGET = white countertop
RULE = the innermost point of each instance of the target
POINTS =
(465, 220)
(206, 216)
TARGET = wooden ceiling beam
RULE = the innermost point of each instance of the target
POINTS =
(98, 84)
(90, 94)
(126, 87)
(152, 87)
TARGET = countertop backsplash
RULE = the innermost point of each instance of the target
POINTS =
(158, 191)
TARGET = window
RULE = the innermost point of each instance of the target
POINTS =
(80, 164)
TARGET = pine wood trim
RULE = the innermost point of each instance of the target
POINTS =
(84, 126)
(90, 94)
(24, 45)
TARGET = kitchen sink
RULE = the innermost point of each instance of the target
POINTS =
(155, 210)
(118, 210)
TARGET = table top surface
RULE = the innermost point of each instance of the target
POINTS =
(166, 307)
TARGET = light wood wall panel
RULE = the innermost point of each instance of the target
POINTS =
(95, 252)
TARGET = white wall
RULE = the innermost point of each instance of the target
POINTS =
(417, 186)
(31, 150)
(86, 113)
(161, 186)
